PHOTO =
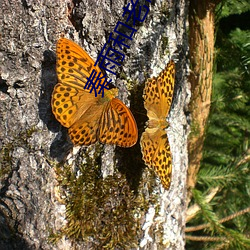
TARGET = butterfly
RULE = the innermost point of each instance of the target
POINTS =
(157, 95)
(89, 118)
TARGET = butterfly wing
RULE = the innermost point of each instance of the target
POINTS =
(117, 125)
(156, 153)
(158, 93)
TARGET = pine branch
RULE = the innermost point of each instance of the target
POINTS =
(221, 246)
(207, 211)
(230, 217)
(231, 238)
(218, 176)
(194, 209)
(205, 238)
(224, 176)
(245, 159)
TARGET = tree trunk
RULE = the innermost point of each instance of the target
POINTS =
(201, 40)
(54, 196)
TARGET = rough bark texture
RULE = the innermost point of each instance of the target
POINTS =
(32, 142)
(201, 40)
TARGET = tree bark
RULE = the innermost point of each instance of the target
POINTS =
(41, 171)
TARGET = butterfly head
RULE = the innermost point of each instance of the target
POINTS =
(110, 94)
(114, 92)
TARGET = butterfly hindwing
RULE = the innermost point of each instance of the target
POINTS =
(156, 154)
(84, 131)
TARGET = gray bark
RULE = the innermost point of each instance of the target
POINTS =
(32, 142)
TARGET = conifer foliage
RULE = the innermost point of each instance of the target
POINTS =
(224, 222)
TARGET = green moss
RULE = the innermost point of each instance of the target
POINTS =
(164, 45)
(165, 9)
(129, 83)
(123, 76)
(105, 212)
(5, 160)
(28, 133)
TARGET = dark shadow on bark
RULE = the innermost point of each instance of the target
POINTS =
(61, 144)
(9, 237)
(48, 81)
(3, 86)
(131, 163)
(9, 240)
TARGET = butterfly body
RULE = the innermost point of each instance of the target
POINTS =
(108, 95)
(157, 123)
(158, 93)
(89, 118)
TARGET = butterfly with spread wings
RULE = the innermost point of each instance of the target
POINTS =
(89, 118)
(158, 94)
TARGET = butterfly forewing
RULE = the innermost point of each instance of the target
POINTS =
(158, 92)
(63, 105)
(74, 65)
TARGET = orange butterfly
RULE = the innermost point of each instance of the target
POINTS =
(158, 93)
(89, 118)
